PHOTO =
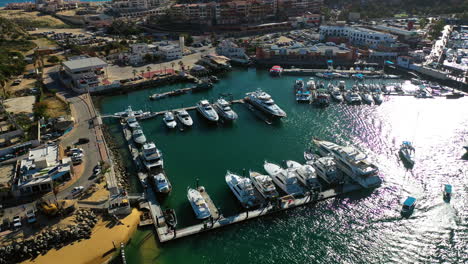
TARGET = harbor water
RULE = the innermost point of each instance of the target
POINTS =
(361, 227)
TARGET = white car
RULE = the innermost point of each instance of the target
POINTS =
(31, 216)
(77, 190)
(17, 222)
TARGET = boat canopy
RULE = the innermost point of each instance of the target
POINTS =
(407, 143)
(448, 188)
(409, 201)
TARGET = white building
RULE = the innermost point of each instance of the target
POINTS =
(37, 172)
(137, 53)
(84, 72)
(230, 49)
(356, 35)
(171, 52)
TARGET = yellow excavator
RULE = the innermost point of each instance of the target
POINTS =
(53, 208)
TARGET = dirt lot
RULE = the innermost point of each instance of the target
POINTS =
(55, 107)
(20, 104)
(33, 19)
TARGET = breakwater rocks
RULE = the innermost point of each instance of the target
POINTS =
(120, 170)
(47, 239)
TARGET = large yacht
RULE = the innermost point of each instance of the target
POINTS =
(264, 185)
(139, 137)
(305, 174)
(133, 123)
(161, 183)
(352, 97)
(285, 179)
(224, 110)
(184, 118)
(151, 156)
(352, 162)
(327, 170)
(263, 101)
(198, 203)
(206, 110)
(243, 189)
(169, 120)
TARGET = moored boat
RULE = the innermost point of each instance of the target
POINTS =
(151, 156)
(327, 170)
(408, 206)
(276, 70)
(161, 183)
(223, 108)
(306, 175)
(407, 152)
(138, 136)
(285, 179)
(207, 111)
(263, 101)
(264, 185)
(447, 192)
(184, 118)
(169, 120)
(243, 189)
(198, 203)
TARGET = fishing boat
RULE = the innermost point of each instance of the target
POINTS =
(408, 206)
(198, 203)
(323, 98)
(161, 183)
(276, 70)
(207, 111)
(326, 169)
(352, 162)
(184, 118)
(151, 156)
(306, 175)
(243, 190)
(264, 185)
(407, 152)
(447, 193)
(285, 179)
(224, 110)
(139, 137)
(170, 217)
(169, 120)
(265, 103)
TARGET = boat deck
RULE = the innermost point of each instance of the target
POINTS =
(214, 211)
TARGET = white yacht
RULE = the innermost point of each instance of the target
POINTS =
(311, 84)
(336, 95)
(367, 98)
(263, 101)
(352, 97)
(133, 123)
(378, 96)
(169, 120)
(139, 137)
(224, 110)
(326, 169)
(151, 156)
(407, 152)
(243, 189)
(184, 118)
(161, 183)
(198, 203)
(264, 185)
(352, 162)
(206, 110)
(306, 174)
(285, 179)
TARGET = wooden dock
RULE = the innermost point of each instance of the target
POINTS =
(285, 203)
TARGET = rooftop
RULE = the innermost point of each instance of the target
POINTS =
(84, 63)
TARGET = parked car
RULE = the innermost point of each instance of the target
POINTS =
(7, 157)
(97, 170)
(76, 190)
(83, 141)
(31, 216)
(16, 222)
(16, 82)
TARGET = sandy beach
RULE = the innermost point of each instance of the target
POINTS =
(97, 249)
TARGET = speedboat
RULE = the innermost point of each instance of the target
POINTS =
(323, 98)
(264, 185)
(447, 192)
(336, 95)
(184, 118)
(207, 111)
(161, 183)
(263, 102)
(377, 96)
(243, 189)
(352, 162)
(285, 179)
(151, 156)
(367, 98)
(303, 96)
(224, 110)
(352, 97)
(407, 152)
(327, 170)
(276, 70)
(408, 206)
(169, 120)
(139, 137)
(306, 175)
(198, 203)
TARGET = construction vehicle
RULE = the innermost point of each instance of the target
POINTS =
(53, 208)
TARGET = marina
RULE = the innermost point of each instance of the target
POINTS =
(255, 150)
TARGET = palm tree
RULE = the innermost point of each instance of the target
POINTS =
(134, 72)
(142, 73)
(181, 65)
(172, 65)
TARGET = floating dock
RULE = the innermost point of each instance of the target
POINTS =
(297, 71)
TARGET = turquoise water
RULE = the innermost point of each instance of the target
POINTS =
(5, 2)
(362, 227)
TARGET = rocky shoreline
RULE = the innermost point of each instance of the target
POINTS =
(48, 239)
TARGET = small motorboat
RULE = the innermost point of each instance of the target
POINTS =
(378, 97)
(408, 206)
(353, 97)
(207, 111)
(169, 120)
(447, 192)
(170, 217)
(157, 96)
(336, 95)
(184, 118)
(161, 183)
(407, 153)
(198, 203)
(367, 98)
(276, 70)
